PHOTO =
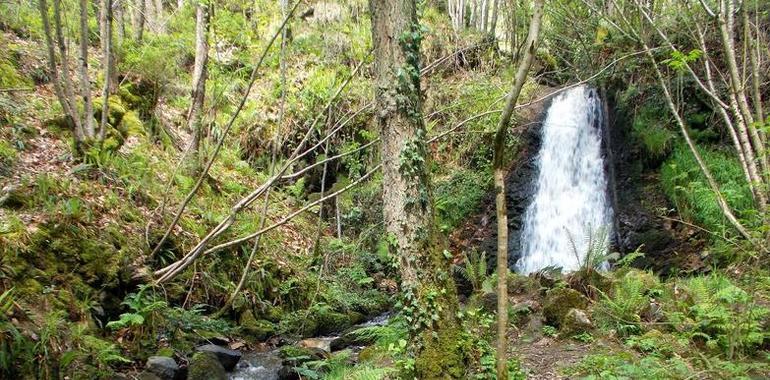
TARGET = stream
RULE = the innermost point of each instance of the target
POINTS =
(266, 365)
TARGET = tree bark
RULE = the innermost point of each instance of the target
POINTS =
(200, 75)
(66, 101)
(429, 294)
(106, 38)
(726, 28)
(498, 163)
(139, 19)
(85, 83)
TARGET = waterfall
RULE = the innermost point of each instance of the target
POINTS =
(570, 204)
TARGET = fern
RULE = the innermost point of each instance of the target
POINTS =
(475, 269)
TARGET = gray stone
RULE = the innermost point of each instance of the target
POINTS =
(163, 367)
(576, 321)
(206, 366)
(229, 358)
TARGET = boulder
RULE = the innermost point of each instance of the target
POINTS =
(489, 301)
(227, 357)
(205, 366)
(146, 375)
(260, 329)
(575, 321)
(559, 301)
(163, 367)
(288, 372)
(351, 338)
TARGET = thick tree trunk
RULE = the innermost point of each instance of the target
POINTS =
(499, 174)
(429, 294)
(200, 75)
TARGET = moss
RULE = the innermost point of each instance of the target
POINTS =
(331, 321)
(7, 157)
(260, 330)
(165, 351)
(443, 355)
(559, 301)
(205, 366)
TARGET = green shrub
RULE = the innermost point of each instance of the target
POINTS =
(459, 197)
(655, 137)
(629, 297)
(685, 185)
(713, 310)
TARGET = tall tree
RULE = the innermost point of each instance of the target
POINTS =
(199, 77)
(105, 16)
(499, 173)
(85, 83)
(429, 294)
(139, 19)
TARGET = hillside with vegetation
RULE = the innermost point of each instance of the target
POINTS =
(232, 189)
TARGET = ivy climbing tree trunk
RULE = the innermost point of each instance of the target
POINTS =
(530, 49)
(429, 294)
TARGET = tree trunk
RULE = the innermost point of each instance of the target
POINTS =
(499, 174)
(139, 19)
(726, 211)
(66, 100)
(200, 74)
(85, 83)
(754, 61)
(429, 294)
(726, 28)
(493, 23)
(106, 37)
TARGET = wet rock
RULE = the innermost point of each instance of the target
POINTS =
(351, 338)
(288, 372)
(163, 367)
(558, 303)
(146, 375)
(227, 357)
(576, 321)
(206, 366)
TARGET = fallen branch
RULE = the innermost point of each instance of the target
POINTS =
(245, 202)
(238, 110)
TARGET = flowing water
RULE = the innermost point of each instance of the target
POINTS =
(570, 204)
(267, 365)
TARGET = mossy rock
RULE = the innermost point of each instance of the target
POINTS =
(15, 197)
(518, 284)
(295, 356)
(205, 366)
(273, 314)
(331, 322)
(260, 329)
(576, 321)
(559, 301)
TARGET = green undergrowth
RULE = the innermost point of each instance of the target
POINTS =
(686, 187)
(706, 326)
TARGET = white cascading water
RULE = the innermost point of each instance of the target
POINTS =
(570, 202)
